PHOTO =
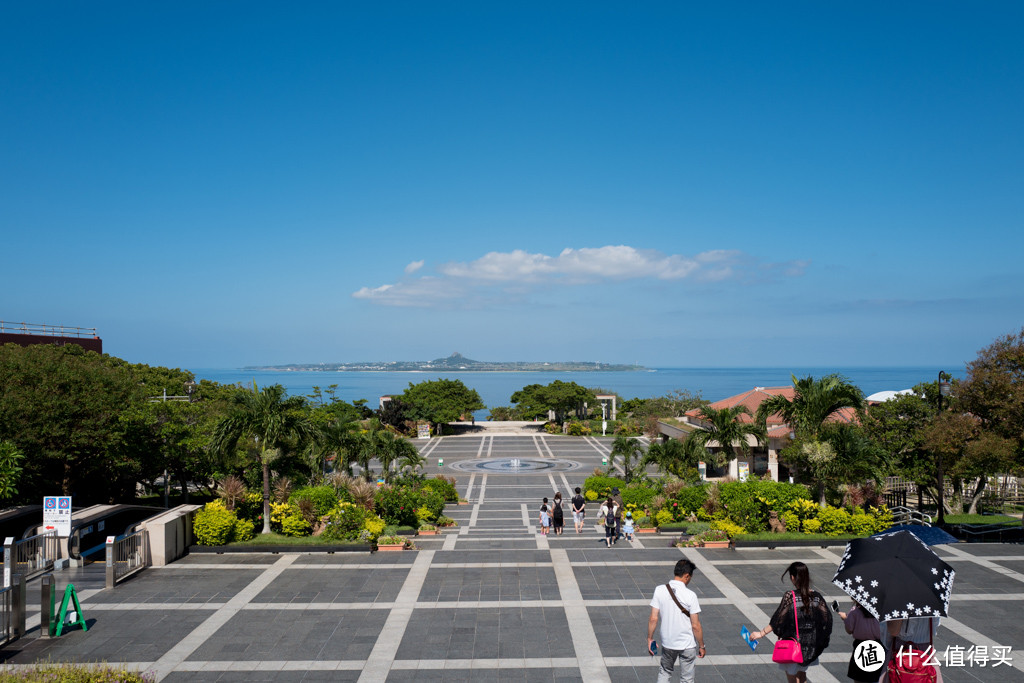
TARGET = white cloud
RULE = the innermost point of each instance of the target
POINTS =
(504, 275)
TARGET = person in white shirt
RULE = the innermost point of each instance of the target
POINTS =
(682, 637)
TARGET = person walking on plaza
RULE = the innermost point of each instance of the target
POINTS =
(627, 526)
(617, 497)
(607, 513)
(557, 515)
(545, 520)
(862, 625)
(810, 624)
(682, 637)
(579, 510)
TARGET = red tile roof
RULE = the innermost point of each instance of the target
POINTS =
(752, 400)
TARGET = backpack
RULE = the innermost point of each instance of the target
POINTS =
(609, 519)
(909, 665)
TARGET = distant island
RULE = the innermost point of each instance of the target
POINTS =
(456, 361)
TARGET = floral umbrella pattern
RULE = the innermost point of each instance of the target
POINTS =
(895, 576)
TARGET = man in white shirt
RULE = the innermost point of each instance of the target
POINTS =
(681, 635)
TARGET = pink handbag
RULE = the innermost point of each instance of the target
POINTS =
(787, 650)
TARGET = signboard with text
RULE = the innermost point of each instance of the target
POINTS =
(57, 514)
(744, 471)
(423, 431)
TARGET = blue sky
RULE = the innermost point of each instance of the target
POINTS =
(724, 184)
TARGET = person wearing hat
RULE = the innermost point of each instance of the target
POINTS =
(627, 526)
(617, 498)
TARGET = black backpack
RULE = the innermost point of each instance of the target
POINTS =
(609, 520)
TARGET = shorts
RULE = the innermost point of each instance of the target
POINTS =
(577, 517)
(793, 668)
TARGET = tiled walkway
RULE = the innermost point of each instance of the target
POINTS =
(491, 600)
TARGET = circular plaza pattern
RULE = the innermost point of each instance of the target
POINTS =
(515, 465)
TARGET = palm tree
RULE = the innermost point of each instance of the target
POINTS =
(629, 450)
(675, 456)
(391, 449)
(722, 425)
(269, 418)
(814, 402)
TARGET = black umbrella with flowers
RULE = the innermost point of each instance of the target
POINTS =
(895, 576)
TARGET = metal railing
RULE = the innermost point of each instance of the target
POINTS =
(12, 611)
(30, 556)
(126, 556)
(45, 330)
(905, 515)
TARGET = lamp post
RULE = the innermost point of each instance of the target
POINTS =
(944, 378)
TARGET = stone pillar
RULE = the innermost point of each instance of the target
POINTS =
(773, 464)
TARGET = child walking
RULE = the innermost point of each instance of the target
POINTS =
(627, 526)
(545, 520)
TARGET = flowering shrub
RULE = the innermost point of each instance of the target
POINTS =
(713, 535)
(345, 522)
(552, 428)
(391, 540)
(444, 486)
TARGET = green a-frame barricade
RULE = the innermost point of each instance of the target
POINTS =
(57, 624)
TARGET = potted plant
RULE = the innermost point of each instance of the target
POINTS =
(427, 530)
(644, 525)
(714, 538)
(389, 543)
(443, 521)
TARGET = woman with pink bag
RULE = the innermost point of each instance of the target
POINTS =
(802, 623)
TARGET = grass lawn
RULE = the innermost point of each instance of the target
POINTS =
(982, 519)
(792, 536)
(280, 539)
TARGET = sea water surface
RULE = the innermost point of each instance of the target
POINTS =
(496, 388)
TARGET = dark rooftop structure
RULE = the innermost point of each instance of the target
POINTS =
(27, 334)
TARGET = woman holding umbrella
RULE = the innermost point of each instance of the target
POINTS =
(810, 623)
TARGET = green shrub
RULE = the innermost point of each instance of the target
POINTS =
(215, 524)
(424, 515)
(552, 428)
(74, 673)
(446, 521)
(691, 498)
(345, 523)
(324, 498)
(748, 503)
(603, 485)
(862, 524)
(791, 520)
(295, 525)
(663, 517)
(728, 526)
(397, 505)
(811, 526)
(444, 486)
(834, 521)
(883, 518)
(432, 501)
(638, 496)
(578, 429)
(244, 531)
(590, 495)
(251, 507)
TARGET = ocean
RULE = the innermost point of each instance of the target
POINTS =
(495, 388)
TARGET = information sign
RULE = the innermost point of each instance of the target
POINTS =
(57, 514)
(744, 470)
(423, 431)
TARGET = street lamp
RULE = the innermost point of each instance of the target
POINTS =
(944, 378)
(190, 388)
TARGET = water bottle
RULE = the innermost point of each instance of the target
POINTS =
(654, 647)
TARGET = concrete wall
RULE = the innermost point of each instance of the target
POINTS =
(170, 534)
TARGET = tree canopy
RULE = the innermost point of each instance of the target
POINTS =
(535, 400)
(441, 400)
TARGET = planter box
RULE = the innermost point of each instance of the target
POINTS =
(463, 502)
(715, 544)
(790, 544)
(277, 549)
(431, 532)
(645, 531)
(391, 548)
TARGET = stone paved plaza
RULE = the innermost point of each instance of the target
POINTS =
(491, 600)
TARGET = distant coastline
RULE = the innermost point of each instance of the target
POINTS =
(454, 362)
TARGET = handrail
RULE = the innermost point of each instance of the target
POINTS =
(126, 556)
(12, 611)
(905, 515)
(31, 556)
(47, 330)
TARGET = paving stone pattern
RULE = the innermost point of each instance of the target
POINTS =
(491, 600)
